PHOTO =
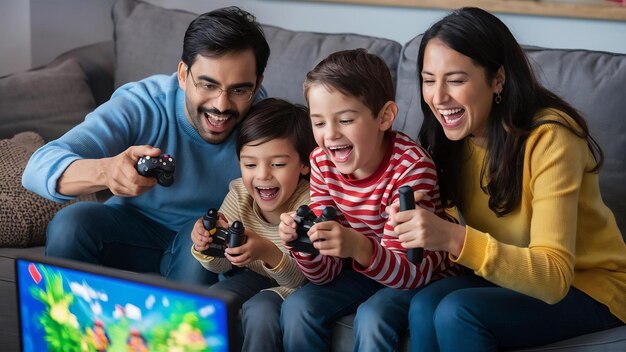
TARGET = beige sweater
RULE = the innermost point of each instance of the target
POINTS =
(239, 205)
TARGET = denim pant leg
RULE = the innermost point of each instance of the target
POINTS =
(179, 265)
(260, 318)
(382, 320)
(493, 318)
(423, 306)
(112, 235)
(307, 315)
(242, 284)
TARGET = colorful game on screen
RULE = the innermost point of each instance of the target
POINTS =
(63, 308)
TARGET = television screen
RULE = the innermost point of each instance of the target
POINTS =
(71, 306)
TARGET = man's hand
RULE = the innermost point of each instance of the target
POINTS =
(118, 174)
(121, 174)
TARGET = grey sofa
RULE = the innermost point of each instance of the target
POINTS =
(148, 40)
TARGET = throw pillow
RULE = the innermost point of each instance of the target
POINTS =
(49, 101)
(23, 215)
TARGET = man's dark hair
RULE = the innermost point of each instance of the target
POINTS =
(225, 30)
(275, 119)
(355, 73)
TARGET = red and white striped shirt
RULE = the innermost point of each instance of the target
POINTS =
(360, 204)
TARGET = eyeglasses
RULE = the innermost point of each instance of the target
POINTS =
(209, 90)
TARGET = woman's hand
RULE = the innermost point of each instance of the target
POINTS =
(420, 228)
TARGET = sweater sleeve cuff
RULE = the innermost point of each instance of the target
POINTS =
(200, 257)
(474, 248)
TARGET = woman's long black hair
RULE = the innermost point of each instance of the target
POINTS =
(483, 38)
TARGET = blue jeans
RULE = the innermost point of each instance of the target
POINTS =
(260, 318)
(120, 237)
(308, 314)
(258, 329)
(382, 320)
(468, 313)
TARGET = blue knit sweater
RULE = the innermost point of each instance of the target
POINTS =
(149, 112)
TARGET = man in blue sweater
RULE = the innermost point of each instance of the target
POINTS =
(191, 115)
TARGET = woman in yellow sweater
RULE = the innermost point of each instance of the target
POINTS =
(519, 165)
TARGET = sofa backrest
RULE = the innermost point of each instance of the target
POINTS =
(149, 40)
(294, 53)
(591, 81)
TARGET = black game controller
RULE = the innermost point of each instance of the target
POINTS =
(407, 202)
(234, 235)
(161, 167)
(305, 218)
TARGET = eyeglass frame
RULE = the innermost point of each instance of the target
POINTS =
(229, 91)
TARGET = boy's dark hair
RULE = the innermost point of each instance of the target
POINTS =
(225, 30)
(355, 73)
(276, 118)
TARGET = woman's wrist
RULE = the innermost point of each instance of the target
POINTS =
(457, 239)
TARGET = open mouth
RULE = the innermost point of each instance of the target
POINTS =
(267, 193)
(216, 121)
(451, 117)
(340, 153)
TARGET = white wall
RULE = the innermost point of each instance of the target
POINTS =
(14, 36)
(59, 25)
(402, 24)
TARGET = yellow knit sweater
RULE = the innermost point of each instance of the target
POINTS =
(561, 233)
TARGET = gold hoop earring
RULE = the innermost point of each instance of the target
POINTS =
(498, 98)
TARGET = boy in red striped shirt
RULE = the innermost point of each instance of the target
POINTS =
(358, 168)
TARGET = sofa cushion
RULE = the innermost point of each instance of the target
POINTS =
(148, 39)
(23, 214)
(410, 117)
(592, 81)
(294, 53)
(49, 101)
(589, 80)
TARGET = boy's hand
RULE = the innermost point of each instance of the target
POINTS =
(333, 239)
(287, 228)
(255, 248)
(200, 237)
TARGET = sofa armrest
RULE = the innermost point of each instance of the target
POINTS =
(97, 61)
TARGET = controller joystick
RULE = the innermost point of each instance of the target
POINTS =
(161, 167)
(305, 218)
(234, 236)
(407, 202)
